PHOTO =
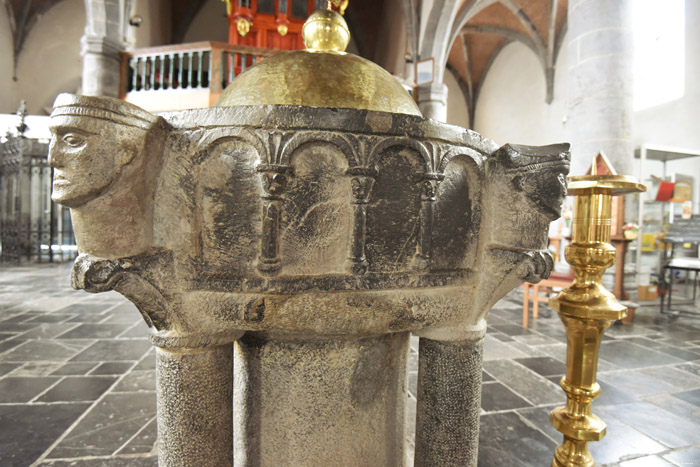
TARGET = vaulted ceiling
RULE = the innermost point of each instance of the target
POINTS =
(484, 27)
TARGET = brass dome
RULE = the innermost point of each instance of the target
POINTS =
(320, 76)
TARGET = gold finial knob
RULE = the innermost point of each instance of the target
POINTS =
(326, 30)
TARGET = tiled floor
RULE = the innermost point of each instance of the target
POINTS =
(77, 382)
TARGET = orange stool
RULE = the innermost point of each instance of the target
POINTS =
(545, 285)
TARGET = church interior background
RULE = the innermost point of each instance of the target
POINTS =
(621, 77)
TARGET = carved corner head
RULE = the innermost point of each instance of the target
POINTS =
(94, 139)
(539, 172)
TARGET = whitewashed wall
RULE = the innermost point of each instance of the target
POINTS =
(457, 111)
(511, 106)
(49, 62)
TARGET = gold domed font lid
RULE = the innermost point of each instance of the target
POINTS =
(322, 75)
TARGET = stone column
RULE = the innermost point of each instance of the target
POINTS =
(101, 64)
(101, 45)
(195, 406)
(314, 402)
(600, 83)
(432, 100)
(449, 402)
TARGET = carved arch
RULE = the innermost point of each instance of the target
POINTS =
(303, 138)
(420, 148)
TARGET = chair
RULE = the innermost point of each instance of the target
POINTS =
(559, 280)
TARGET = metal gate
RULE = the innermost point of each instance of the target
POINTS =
(32, 227)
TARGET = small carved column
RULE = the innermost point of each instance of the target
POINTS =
(429, 185)
(362, 182)
(449, 402)
(274, 182)
(195, 406)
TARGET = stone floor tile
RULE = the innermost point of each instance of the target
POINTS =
(500, 336)
(684, 457)
(497, 397)
(511, 329)
(50, 318)
(111, 368)
(682, 354)
(676, 406)
(94, 331)
(123, 461)
(637, 383)
(9, 344)
(24, 388)
(149, 362)
(48, 331)
(621, 441)
(556, 351)
(485, 377)
(137, 381)
(692, 397)
(26, 431)
(629, 355)
(544, 366)
(657, 423)
(37, 369)
(135, 331)
(677, 377)
(690, 367)
(108, 426)
(78, 389)
(413, 383)
(646, 341)
(6, 335)
(506, 440)
(6, 368)
(95, 308)
(647, 461)
(495, 349)
(610, 395)
(39, 350)
(539, 417)
(528, 384)
(536, 339)
(144, 442)
(113, 350)
(74, 369)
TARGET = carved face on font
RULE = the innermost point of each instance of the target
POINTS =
(87, 155)
(93, 140)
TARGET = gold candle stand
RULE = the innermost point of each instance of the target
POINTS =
(586, 309)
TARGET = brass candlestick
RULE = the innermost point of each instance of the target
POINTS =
(586, 309)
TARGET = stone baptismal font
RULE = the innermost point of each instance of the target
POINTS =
(283, 246)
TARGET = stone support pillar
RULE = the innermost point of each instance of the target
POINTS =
(449, 402)
(101, 65)
(195, 407)
(432, 100)
(101, 45)
(312, 402)
(600, 83)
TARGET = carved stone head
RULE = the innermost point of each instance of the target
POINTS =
(94, 138)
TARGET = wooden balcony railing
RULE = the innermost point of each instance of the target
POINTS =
(184, 76)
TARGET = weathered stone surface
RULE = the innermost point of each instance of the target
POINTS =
(449, 402)
(315, 402)
(195, 397)
(324, 234)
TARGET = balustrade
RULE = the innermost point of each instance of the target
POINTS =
(197, 71)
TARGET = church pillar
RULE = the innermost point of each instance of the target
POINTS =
(101, 45)
(599, 110)
(432, 100)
